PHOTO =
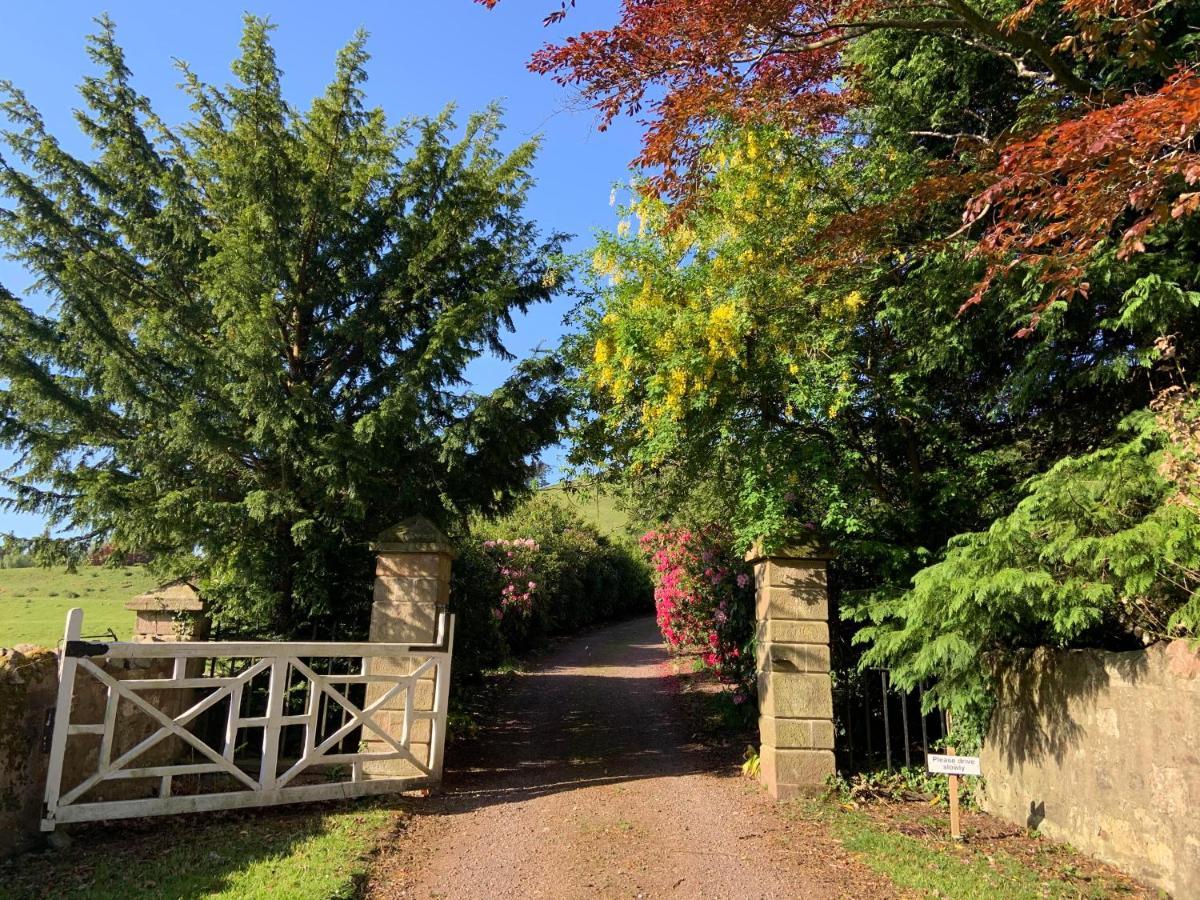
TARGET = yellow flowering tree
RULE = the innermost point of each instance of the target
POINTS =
(751, 359)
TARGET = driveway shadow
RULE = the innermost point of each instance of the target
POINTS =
(604, 709)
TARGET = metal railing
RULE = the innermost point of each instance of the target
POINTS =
(878, 726)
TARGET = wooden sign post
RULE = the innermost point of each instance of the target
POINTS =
(952, 766)
(955, 823)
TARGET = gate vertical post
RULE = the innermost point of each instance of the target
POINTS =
(412, 585)
(795, 695)
(62, 717)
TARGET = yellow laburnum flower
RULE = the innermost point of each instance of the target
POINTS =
(722, 315)
(853, 301)
(677, 385)
(620, 385)
(752, 146)
(603, 264)
(623, 228)
(721, 332)
(604, 351)
(645, 298)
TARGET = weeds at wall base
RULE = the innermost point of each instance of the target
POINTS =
(909, 784)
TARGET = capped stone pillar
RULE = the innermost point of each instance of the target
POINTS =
(412, 585)
(172, 612)
(795, 695)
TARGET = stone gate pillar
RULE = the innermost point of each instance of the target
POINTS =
(171, 612)
(412, 584)
(795, 696)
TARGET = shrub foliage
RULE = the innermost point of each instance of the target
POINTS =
(580, 578)
(1104, 548)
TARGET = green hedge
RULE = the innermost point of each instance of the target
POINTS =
(583, 578)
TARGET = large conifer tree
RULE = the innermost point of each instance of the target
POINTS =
(252, 357)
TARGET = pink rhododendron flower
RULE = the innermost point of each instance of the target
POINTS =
(702, 601)
(515, 561)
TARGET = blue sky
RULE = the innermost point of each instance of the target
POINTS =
(425, 54)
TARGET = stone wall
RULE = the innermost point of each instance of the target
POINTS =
(28, 687)
(28, 690)
(1102, 750)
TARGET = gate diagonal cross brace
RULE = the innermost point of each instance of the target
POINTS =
(169, 726)
(363, 716)
(359, 717)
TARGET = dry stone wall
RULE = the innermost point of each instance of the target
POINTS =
(28, 686)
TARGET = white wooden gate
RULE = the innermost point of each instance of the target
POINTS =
(404, 686)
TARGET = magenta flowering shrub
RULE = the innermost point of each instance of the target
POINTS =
(704, 601)
(515, 561)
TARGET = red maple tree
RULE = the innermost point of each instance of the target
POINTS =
(1117, 161)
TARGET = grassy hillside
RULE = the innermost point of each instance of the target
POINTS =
(597, 509)
(34, 602)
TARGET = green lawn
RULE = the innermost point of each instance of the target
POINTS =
(932, 867)
(34, 602)
(301, 853)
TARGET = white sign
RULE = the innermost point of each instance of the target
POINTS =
(941, 764)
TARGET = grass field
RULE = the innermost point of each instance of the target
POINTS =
(596, 509)
(34, 602)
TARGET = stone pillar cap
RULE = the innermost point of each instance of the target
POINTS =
(175, 596)
(414, 535)
(801, 546)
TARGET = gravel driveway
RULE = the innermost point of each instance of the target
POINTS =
(585, 782)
